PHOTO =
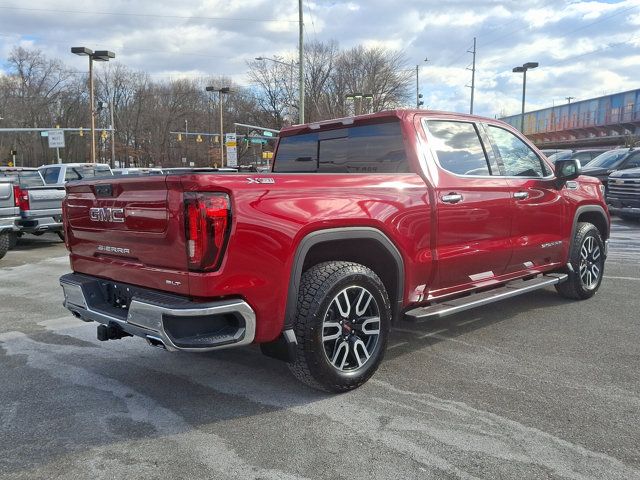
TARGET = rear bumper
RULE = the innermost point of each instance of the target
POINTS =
(162, 319)
(8, 224)
(37, 225)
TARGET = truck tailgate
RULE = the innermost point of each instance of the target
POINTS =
(44, 201)
(7, 202)
(129, 230)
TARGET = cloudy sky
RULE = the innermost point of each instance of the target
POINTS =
(585, 48)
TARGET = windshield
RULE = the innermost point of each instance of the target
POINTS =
(559, 156)
(25, 178)
(607, 160)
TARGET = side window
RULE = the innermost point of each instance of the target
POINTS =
(633, 161)
(71, 174)
(517, 157)
(50, 175)
(298, 153)
(458, 147)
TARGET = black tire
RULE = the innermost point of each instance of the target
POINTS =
(13, 240)
(577, 287)
(60, 234)
(317, 308)
(4, 244)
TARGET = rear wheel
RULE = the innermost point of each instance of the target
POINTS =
(587, 260)
(4, 244)
(342, 324)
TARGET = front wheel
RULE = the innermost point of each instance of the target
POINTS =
(342, 323)
(587, 260)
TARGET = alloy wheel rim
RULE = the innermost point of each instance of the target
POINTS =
(590, 263)
(351, 329)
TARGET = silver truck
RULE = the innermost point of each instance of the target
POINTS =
(40, 205)
(9, 214)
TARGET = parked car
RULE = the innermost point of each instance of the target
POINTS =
(619, 159)
(60, 173)
(40, 205)
(552, 151)
(584, 156)
(137, 171)
(623, 196)
(400, 215)
(9, 214)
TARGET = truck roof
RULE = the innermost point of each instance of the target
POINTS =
(400, 113)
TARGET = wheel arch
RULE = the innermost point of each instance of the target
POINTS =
(594, 214)
(365, 245)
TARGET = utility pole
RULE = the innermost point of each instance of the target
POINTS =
(113, 135)
(222, 142)
(300, 65)
(569, 99)
(417, 86)
(186, 139)
(473, 74)
(92, 109)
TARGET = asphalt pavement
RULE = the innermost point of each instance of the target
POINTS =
(533, 387)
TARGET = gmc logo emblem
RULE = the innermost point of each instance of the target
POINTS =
(106, 214)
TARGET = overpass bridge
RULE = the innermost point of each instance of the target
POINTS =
(609, 120)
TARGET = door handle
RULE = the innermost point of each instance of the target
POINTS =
(451, 198)
(521, 195)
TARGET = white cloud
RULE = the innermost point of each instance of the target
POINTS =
(584, 47)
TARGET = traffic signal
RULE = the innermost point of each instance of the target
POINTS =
(103, 135)
(13, 152)
(81, 132)
(179, 137)
(199, 139)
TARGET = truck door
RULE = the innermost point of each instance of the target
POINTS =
(473, 207)
(538, 225)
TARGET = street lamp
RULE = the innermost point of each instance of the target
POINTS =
(291, 66)
(523, 69)
(97, 56)
(220, 92)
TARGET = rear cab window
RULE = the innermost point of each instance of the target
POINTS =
(374, 148)
(24, 178)
(86, 171)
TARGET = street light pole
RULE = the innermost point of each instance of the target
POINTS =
(418, 94)
(97, 56)
(300, 65)
(523, 69)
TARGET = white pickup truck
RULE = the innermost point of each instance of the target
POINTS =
(40, 205)
(61, 173)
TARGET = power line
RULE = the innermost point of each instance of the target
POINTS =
(148, 15)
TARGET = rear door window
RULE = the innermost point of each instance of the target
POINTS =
(458, 148)
(377, 148)
(51, 175)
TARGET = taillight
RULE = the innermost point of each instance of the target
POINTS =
(21, 197)
(207, 223)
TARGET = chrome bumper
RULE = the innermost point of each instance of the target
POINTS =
(43, 213)
(149, 313)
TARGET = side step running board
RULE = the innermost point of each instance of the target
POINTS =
(508, 290)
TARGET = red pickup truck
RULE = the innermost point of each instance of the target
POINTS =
(363, 222)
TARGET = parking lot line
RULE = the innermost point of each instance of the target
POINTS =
(622, 278)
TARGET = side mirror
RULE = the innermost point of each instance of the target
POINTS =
(567, 170)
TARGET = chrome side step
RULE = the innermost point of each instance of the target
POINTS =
(508, 290)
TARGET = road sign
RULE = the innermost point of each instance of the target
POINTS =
(56, 138)
(230, 140)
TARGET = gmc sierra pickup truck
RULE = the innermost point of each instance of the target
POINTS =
(363, 222)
